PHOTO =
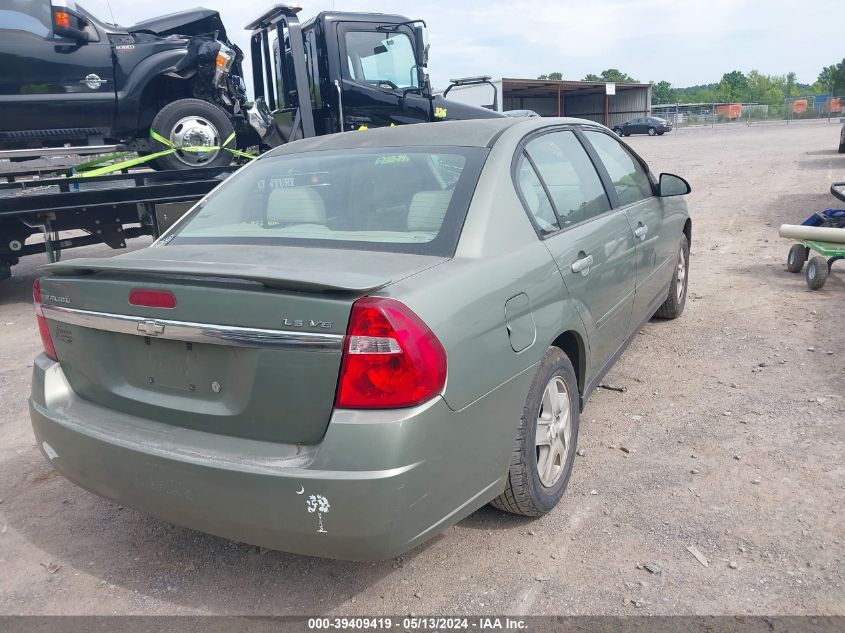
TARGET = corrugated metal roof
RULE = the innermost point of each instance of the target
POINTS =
(543, 87)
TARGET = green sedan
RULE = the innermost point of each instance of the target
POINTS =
(358, 340)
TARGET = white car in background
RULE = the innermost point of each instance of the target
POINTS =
(520, 113)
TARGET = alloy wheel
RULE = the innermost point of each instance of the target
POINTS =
(554, 432)
(681, 275)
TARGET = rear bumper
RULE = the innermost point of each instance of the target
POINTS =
(377, 485)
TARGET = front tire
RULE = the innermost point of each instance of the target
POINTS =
(192, 123)
(618, 131)
(673, 307)
(546, 439)
(652, 131)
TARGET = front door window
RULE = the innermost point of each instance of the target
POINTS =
(629, 177)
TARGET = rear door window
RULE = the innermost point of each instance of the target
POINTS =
(409, 199)
(569, 176)
(534, 197)
(630, 178)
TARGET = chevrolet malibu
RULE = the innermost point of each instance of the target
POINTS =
(358, 340)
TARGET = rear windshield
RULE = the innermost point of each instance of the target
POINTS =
(410, 199)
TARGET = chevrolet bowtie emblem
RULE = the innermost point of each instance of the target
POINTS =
(151, 328)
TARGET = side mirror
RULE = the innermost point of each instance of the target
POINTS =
(672, 185)
(70, 24)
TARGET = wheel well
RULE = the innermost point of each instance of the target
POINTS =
(158, 93)
(688, 232)
(571, 344)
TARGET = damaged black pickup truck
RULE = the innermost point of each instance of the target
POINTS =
(69, 78)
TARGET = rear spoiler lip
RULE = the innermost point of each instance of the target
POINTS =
(343, 282)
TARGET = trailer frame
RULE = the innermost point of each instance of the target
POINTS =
(108, 209)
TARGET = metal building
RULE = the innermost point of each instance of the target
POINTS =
(582, 99)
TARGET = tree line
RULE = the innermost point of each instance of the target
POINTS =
(734, 87)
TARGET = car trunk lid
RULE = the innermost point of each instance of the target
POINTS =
(251, 349)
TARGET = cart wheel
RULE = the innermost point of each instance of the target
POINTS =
(796, 258)
(816, 272)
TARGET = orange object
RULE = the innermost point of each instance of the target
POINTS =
(835, 105)
(799, 106)
(730, 110)
(61, 18)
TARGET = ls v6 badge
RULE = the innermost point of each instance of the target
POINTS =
(307, 323)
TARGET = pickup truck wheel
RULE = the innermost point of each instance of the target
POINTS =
(192, 123)
(542, 460)
(677, 299)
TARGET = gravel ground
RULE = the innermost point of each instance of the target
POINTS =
(728, 439)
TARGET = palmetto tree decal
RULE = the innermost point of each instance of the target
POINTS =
(320, 505)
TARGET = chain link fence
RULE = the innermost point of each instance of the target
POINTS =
(783, 112)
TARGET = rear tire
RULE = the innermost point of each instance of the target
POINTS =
(673, 307)
(652, 131)
(618, 131)
(817, 271)
(539, 473)
(796, 258)
(192, 122)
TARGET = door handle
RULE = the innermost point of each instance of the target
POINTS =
(641, 231)
(582, 265)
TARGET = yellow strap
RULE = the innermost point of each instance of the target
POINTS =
(173, 148)
(122, 165)
(158, 137)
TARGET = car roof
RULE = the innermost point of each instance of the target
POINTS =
(473, 133)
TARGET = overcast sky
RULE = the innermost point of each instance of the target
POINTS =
(685, 42)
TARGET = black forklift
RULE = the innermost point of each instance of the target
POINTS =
(339, 72)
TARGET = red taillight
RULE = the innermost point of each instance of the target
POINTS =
(152, 298)
(391, 358)
(46, 339)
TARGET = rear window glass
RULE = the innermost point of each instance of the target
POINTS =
(408, 199)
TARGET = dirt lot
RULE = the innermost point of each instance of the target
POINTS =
(733, 416)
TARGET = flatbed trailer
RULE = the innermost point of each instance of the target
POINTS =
(105, 209)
